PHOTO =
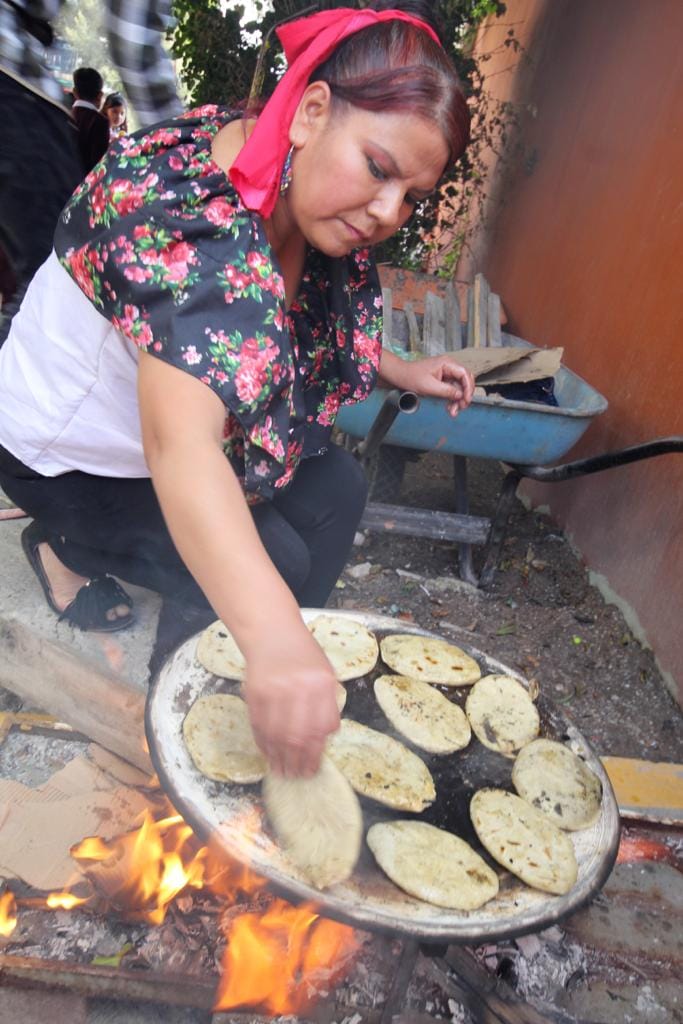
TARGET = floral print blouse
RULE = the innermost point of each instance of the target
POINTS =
(159, 241)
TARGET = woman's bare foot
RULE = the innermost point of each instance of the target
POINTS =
(65, 584)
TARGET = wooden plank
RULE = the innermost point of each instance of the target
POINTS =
(434, 326)
(480, 311)
(493, 333)
(92, 701)
(413, 329)
(470, 317)
(648, 790)
(452, 323)
(477, 312)
(414, 522)
(388, 318)
(166, 987)
(28, 721)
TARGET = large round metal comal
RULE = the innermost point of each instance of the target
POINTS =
(232, 816)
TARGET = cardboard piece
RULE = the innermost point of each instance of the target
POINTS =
(119, 769)
(36, 837)
(480, 361)
(510, 364)
(39, 826)
(541, 362)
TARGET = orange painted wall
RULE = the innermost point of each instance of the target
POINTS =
(586, 251)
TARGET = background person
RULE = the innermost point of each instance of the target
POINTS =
(211, 302)
(114, 109)
(93, 127)
(38, 141)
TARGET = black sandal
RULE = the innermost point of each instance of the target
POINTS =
(88, 610)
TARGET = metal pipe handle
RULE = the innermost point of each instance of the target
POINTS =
(395, 402)
(598, 463)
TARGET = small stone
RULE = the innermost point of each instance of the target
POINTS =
(529, 945)
(359, 539)
(360, 571)
(443, 584)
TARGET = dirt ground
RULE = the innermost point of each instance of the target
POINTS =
(541, 616)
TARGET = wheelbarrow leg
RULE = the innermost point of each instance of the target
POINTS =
(462, 507)
(558, 474)
(499, 525)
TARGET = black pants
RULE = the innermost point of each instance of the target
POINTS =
(101, 524)
(39, 169)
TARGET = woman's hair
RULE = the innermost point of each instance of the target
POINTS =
(395, 66)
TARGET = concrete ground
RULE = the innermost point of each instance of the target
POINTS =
(21, 597)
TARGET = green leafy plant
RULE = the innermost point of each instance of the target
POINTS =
(216, 65)
(81, 26)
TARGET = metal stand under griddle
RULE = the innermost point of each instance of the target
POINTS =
(486, 998)
(459, 526)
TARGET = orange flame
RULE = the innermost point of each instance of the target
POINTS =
(276, 956)
(142, 872)
(273, 960)
(63, 901)
(8, 914)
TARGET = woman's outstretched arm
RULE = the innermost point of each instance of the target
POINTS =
(290, 685)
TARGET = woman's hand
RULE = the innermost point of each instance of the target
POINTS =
(442, 377)
(290, 690)
(434, 376)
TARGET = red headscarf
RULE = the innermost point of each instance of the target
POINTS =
(307, 42)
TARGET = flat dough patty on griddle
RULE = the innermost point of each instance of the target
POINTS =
(350, 648)
(553, 779)
(502, 714)
(218, 736)
(381, 768)
(524, 841)
(429, 659)
(423, 715)
(433, 865)
(218, 653)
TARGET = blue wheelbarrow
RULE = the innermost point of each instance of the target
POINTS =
(526, 436)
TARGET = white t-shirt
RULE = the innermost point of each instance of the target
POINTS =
(68, 384)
